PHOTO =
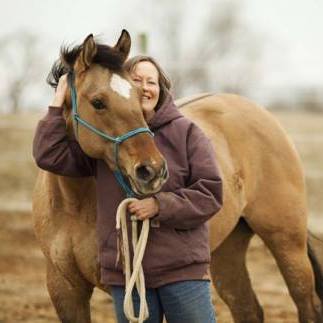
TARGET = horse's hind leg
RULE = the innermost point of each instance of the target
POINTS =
(230, 276)
(284, 232)
(315, 253)
(70, 299)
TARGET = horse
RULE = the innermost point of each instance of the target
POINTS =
(264, 194)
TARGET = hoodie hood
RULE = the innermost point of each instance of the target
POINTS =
(166, 113)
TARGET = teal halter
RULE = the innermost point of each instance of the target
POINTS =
(116, 140)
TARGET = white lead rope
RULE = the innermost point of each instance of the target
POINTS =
(137, 274)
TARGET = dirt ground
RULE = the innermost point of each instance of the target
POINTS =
(23, 294)
(24, 298)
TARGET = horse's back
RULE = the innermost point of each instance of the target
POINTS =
(243, 131)
(232, 114)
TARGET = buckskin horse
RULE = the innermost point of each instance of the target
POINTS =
(264, 193)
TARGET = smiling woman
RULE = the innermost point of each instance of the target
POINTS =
(149, 76)
(177, 213)
(146, 77)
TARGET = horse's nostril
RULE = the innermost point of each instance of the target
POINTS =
(145, 173)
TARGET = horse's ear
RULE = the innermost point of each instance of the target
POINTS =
(124, 43)
(86, 55)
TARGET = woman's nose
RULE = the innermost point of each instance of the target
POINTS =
(144, 86)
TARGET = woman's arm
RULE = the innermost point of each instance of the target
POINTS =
(190, 206)
(52, 149)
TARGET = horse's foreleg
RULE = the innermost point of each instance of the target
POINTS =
(287, 238)
(71, 299)
(231, 279)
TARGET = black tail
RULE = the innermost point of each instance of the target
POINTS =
(315, 253)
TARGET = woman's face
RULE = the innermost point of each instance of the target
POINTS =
(145, 76)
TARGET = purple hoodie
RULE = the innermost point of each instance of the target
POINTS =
(178, 248)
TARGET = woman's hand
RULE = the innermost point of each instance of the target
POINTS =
(61, 91)
(144, 209)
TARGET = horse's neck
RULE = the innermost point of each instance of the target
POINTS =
(74, 195)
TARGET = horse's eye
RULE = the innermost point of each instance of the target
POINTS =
(98, 104)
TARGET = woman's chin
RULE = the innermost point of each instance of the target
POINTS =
(148, 114)
(147, 106)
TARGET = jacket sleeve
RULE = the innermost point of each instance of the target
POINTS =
(189, 207)
(55, 152)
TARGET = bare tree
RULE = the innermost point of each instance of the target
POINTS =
(20, 63)
(223, 56)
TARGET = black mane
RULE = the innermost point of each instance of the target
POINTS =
(106, 56)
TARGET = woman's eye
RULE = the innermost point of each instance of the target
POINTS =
(98, 104)
(136, 81)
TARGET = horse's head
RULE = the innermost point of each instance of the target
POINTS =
(108, 101)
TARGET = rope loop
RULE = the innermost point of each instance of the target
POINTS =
(136, 276)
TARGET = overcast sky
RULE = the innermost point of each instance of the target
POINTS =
(292, 29)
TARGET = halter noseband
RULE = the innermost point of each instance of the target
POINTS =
(116, 140)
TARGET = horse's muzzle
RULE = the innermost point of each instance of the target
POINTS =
(147, 179)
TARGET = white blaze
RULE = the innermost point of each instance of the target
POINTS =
(120, 85)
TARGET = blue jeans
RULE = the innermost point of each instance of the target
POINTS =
(187, 301)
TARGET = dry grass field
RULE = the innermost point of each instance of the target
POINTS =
(23, 295)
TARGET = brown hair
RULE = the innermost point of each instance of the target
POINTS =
(163, 80)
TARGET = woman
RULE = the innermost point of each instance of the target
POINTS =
(177, 255)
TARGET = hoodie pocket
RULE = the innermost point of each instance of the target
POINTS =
(197, 241)
(109, 257)
(166, 249)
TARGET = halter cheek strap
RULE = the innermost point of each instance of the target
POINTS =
(116, 140)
